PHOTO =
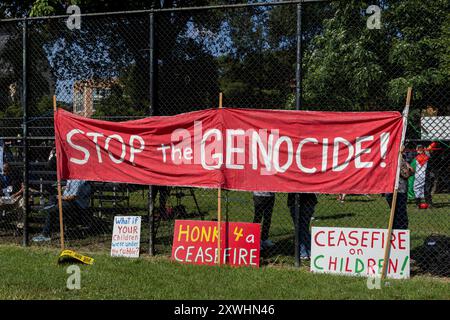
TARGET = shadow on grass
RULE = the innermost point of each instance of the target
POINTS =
(360, 200)
(334, 216)
(284, 246)
(441, 205)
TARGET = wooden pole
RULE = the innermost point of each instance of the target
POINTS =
(219, 203)
(387, 249)
(61, 223)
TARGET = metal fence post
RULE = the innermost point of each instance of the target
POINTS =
(25, 128)
(152, 107)
(298, 101)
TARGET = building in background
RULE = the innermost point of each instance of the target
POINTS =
(87, 93)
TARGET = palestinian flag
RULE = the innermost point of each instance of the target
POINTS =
(421, 164)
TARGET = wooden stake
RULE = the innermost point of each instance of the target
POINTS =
(387, 250)
(219, 203)
(61, 223)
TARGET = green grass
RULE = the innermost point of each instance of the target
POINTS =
(357, 211)
(32, 273)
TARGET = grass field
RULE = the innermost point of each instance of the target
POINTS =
(32, 273)
(357, 211)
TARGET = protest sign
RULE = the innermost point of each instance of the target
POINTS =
(196, 242)
(237, 149)
(126, 236)
(359, 251)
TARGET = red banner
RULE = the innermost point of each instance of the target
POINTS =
(196, 242)
(240, 149)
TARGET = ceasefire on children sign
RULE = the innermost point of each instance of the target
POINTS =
(359, 251)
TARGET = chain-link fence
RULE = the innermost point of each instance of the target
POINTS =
(318, 55)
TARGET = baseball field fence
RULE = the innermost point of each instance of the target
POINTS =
(305, 55)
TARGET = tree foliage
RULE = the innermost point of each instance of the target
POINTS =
(351, 66)
(249, 54)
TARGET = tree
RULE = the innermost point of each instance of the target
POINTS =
(105, 47)
(260, 70)
(348, 66)
(420, 50)
(254, 74)
(343, 64)
(40, 78)
(250, 53)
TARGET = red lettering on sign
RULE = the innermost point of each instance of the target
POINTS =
(196, 242)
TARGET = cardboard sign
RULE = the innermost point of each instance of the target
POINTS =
(126, 236)
(195, 242)
(357, 251)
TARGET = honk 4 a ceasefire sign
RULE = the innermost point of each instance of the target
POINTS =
(359, 251)
(196, 242)
(126, 236)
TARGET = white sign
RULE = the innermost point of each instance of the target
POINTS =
(126, 236)
(357, 251)
(435, 128)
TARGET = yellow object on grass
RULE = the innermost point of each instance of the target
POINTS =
(69, 254)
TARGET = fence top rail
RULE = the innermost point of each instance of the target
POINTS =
(29, 138)
(6, 119)
(148, 11)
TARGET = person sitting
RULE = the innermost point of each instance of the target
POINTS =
(10, 187)
(11, 194)
(75, 201)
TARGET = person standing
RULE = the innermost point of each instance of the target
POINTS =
(164, 194)
(264, 202)
(400, 213)
(424, 174)
(306, 206)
